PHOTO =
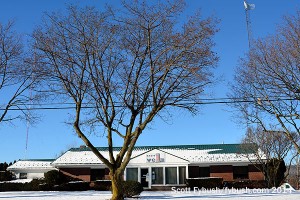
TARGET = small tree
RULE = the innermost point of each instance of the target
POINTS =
(123, 69)
(276, 170)
(4, 174)
(4, 166)
(270, 148)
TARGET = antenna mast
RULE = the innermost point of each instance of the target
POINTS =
(248, 7)
(27, 126)
(28, 114)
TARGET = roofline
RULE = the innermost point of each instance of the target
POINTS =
(161, 151)
(38, 160)
(150, 147)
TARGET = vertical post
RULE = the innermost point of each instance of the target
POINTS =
(186, 172)
(139, 175)
(177, 179)
(164, 175)
(150, 177)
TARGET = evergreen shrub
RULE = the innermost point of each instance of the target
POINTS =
(209, 182)
(132, 188)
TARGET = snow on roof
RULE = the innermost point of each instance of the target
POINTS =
(192, 153)
(32, 164)
(84, 157)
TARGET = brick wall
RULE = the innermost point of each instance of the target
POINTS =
(223, 171)
(80, 173)
(254, 173)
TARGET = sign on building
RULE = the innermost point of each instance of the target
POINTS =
(155, 158)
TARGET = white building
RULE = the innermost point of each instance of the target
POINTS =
(31, 169)
(164, 166)
(153, 166)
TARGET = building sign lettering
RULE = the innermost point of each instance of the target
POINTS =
(155, 158)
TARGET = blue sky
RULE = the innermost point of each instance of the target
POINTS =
(213, 124)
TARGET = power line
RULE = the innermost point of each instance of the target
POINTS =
(212, 101)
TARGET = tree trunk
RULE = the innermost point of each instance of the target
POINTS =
(116, 185)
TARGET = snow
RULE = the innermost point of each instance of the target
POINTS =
(31, 164)
(272, 194)
(79, 156)
(18, 181)
(191, 155)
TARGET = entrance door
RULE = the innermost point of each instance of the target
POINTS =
(145, 177)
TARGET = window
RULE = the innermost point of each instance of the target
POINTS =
(157, 175)
(204, 172)
(240, 172)
(132, 174)
(23, 176)
(97, 174)
(182, 174)
(193, 171)
(171, 175)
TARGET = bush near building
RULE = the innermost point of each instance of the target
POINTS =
(5, 176)
(132, 188)
(54, 181)
(101, 185)
(251, 184)
(55, 177)
(208, 182)
(34, 185)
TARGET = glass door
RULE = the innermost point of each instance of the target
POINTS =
(145, 177)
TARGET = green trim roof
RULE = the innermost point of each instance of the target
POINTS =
(221, 148)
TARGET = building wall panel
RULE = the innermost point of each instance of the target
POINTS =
(223, 171)
(255, 173)
(80, 173)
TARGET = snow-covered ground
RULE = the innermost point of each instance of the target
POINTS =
(184, 195)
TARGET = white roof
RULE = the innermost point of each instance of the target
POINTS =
(84, 157)
(78, 156)
(31, 164)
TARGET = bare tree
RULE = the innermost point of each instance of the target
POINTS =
(122, 69)
(268, 80)
(270, 148)
(17, 76)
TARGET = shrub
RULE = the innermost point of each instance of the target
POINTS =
(5, 176)
(132, 188)
(34, 185)
(275, 170)
(249, 184)
(101, 185)
(11, 187)
(204, 182)
(73, 186)
(45, 187)
(53, 177)
(40, 185)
